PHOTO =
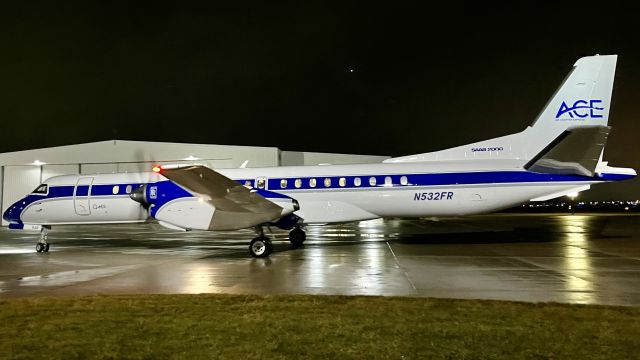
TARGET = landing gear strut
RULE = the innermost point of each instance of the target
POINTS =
(43, 245)
(297, 237)
(261, 246)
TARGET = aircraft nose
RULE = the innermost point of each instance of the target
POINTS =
(12, 214)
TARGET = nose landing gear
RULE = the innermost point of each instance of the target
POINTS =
(43, 245)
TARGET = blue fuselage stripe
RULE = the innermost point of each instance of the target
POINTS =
(468, 178)
(473, 178)
(170, 191)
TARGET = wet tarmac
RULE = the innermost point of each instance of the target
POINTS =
(586, 259)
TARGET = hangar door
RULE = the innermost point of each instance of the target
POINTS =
(18, 182)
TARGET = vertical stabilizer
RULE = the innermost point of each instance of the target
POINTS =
(582, 100)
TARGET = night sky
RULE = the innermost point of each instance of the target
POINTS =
(387, 78)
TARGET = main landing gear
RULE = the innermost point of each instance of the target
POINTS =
(43, 245)
(297, 236)
(261, 246)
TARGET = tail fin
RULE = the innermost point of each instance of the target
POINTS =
(583, 100)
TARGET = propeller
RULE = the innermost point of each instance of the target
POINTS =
(142, 158)
(139, 195)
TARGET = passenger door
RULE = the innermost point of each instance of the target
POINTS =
(82, 196)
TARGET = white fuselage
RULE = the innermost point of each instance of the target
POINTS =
(325, 194)
(326, 204)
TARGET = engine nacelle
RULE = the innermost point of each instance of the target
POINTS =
(187, 213)
(172, 205)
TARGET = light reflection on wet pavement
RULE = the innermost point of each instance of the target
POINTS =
(587, 259)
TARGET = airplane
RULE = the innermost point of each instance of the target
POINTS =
(560, 153)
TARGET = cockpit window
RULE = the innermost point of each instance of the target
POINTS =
(42, 189)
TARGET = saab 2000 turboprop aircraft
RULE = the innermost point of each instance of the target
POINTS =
(560, 153)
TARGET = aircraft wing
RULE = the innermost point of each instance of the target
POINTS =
(235, 205)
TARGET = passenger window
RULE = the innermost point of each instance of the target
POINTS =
(128, 189)
(372, 181)
(261, 183)
(115, 189)
(404, 180)
(247, 183)
(388, 181)
(283, 183)
(312, 182)
(42, 189)
(327, 182)
(357, 181)
(342, 182)
(298, 183)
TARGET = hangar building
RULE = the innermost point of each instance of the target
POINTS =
(23, 171)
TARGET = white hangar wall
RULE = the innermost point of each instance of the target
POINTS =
(103, 156)
(22, 171)
(294, 158)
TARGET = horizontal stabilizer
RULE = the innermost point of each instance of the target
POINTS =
(574, 152)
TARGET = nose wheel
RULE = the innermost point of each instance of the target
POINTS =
(40, 247)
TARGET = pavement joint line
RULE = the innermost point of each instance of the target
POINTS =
(406, 275)
(554, 272)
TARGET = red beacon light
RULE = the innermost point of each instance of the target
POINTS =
(156, 169)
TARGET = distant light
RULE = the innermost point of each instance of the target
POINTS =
(191, 158)
(38, 163)
(156, 169)
(350, 70)
(572, 195)
(626, 208)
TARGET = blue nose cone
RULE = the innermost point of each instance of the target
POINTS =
(12, 214)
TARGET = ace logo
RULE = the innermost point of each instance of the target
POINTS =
(581, 109)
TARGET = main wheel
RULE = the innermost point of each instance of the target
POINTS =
(297, 237)
(260, 247)
(46, 247)
(39, 247)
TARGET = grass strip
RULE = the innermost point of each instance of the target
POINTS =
(315, 327)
